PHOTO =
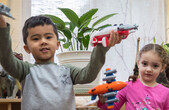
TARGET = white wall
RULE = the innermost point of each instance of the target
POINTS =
(20, 10)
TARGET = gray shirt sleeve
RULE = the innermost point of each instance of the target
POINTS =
(90, 72)
(10, 63)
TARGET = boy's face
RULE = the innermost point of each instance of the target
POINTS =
(42, 43)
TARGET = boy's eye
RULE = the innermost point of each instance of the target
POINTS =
(48, 37)
(35, 39)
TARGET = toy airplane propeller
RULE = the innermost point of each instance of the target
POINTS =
(123, 31)
(109, 89)
(4, 10)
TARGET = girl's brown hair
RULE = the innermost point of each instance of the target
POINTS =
(164, 76)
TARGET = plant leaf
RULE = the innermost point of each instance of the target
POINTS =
(103, 27)
(72, 26)
(85, 24)
(88, 15)
(86, 41)
(167, 44)
(71, 15)
(63, 40)
(59, 23)
(103, 19)
(67, 33)
(67, 45)
(154, 39)
(166, 48)
(86, 29)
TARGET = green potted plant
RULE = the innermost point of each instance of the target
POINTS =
(77, 31)
(75, 36)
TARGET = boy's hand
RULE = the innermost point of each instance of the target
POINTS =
(2, 21)
(114, 38)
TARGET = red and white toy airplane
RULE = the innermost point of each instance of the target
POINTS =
(123, 31)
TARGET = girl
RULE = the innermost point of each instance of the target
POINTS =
(142, 91)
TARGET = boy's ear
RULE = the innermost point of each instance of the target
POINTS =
(58, 44)
(27, 49)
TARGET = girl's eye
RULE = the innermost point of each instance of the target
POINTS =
(144, 64)
(155, 66)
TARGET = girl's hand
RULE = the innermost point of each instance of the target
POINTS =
(114, 38)
(101, 98)
(2, 21)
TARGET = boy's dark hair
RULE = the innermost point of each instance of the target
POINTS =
(36, 21)
(164, 76)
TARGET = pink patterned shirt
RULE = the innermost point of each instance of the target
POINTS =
(137, 96)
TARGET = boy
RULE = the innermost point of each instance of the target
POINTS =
(46, 85)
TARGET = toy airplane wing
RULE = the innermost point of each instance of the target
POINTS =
(4, 10)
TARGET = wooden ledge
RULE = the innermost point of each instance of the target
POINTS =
(10, 104)
(10, 100)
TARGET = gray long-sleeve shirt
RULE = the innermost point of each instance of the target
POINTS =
(48, 86)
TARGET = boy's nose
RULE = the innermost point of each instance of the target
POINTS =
(43, 41)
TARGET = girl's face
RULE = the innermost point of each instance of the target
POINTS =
(150, 66)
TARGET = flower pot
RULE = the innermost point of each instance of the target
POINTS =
(76, 58)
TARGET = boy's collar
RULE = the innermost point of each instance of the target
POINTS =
(41, 63)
